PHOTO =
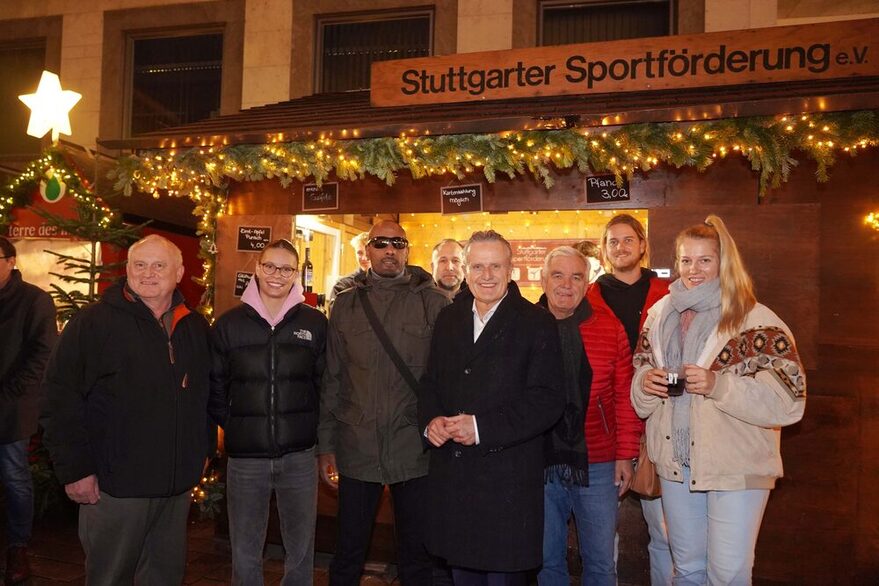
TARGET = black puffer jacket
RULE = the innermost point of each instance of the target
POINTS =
(27, 334)
(265, 381)
(127, 402)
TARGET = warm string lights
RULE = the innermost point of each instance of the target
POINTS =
(770, 144)
(872, 220)
(208, 494)
(52, 164)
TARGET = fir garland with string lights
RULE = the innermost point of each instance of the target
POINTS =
(51, 164)
(770, 144)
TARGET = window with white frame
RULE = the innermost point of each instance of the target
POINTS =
(347, 46)
(603, 20)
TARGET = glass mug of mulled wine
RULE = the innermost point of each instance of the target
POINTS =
(676, 383)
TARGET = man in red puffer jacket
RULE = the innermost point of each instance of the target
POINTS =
(628, 290)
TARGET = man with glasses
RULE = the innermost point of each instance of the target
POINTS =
(27, 334)
(268, 360)
(126, 419)
(377, 347)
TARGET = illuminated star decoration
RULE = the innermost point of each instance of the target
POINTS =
(50, 107)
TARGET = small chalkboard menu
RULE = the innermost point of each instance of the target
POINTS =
(253, 238)
(241, 281)
(604, 189)
(323, 197)
(461, 199)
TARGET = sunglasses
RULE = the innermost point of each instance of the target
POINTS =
(380, 242)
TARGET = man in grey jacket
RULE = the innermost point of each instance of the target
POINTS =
(368, 430)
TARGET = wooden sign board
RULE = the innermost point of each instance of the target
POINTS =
(769, 55)
(604, 189)
(461, 199)
(528, 257)
(323, 197)
(253, 238)
(242, 279)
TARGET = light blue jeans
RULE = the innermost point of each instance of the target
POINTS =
(250, 482)
(712, 533)
(661, 567)
(595, 514)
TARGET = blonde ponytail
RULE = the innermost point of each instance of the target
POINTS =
(736, 288)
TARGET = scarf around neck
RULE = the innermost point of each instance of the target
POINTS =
(679, 350)
(567, 460)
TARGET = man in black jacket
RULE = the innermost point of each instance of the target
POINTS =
(27, 334)
(126, 419)
(268, 360)
(493, 386)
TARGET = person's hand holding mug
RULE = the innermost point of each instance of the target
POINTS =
(655, 382)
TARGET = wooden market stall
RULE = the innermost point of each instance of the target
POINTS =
(811, 253)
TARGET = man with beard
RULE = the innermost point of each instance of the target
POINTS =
(447, 266)
(492, 388)
(629, 290)
(377, 346)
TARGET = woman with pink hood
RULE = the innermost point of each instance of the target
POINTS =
(268, 360)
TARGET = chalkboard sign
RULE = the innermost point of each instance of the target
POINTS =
(604, 189)
(253, 238)
(325, 197)
(461, 199)
(241, 281)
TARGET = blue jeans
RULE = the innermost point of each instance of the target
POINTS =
(250, 482)
(19, 488)
(595, 514)
(712, 533)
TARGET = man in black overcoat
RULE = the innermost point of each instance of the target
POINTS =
(492, 388)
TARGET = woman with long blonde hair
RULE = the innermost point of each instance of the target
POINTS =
(714, 437)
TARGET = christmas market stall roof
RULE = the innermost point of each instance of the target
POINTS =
(350, 115)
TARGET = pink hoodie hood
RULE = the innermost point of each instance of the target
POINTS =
(251, 297)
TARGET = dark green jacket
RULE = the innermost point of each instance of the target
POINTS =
(368, 413)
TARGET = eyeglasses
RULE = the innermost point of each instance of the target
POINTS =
(380, 242)
(270, 269)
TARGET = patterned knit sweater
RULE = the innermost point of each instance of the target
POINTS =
(734, 431)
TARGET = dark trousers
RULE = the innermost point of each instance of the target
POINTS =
(464, 577)
(134, 540)
(358, 502)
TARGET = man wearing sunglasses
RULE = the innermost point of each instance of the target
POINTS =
(377, 346)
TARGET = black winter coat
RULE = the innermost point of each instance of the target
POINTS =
(265, 382)
(27, 335)
(485, 503)
(127, 403)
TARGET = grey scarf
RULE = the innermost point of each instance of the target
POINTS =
(705, 301)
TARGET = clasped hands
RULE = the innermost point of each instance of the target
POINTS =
(460, 429)
(700, 381)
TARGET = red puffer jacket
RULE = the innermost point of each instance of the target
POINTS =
(612, 427)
